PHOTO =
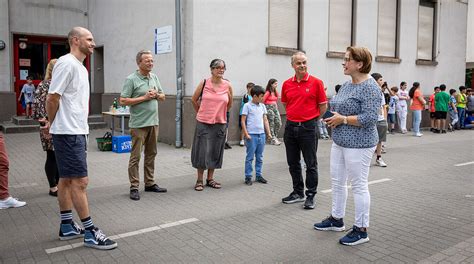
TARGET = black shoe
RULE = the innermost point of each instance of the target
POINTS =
(155, 188)
(261, 180)
(293, 198)
(55, 194)
(248, 181)
(443, 131)
(437, 131)
(134, 195)
(227, 146)
(432, 129)
(309, 203)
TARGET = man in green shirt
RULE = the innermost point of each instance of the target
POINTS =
(142, 91)
(441, 106)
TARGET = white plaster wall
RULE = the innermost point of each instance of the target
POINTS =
(470, 33)
(238, 33)
(52, 17)
(125, 27)
(5, 55)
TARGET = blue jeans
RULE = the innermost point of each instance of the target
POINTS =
(255, 147)
(416, 121)
(461, 117)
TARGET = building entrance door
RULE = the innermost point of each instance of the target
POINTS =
(31, 56)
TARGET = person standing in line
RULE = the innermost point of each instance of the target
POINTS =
(245, 99)
(417, 105)
(305, 100)
(28, 91)
(432, 108)
(67, 107)
(355, 136)
(6, 201)
(255, 124)
(392, 106)
(461, 106)
(470, 102)
(270, 99)
(453, 112)
(441, 105)
(39, 113)
(142, 91)
(402, 107)
(382, 125)
(211, 100)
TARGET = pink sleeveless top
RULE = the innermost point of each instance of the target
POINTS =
(213, 109)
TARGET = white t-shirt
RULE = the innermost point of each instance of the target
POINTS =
(381, 115)
(254, 115)
(402, 103)
(70, 80)
(392, 106)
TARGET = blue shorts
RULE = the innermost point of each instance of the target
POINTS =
(71, 155)
(392, 118)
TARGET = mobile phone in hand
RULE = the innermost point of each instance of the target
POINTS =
(328, 114)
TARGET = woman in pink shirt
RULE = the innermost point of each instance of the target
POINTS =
(270, 100)
(211, 101)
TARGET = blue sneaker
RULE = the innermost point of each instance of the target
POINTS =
(70, 231)
(96, 239)
(330, 224)
(355, 237)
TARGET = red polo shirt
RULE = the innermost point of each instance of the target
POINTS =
(303, 98)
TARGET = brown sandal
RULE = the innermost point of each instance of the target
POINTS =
(199, 186)
(213, 184)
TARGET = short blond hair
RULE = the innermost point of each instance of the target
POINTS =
(361, 54)
(49, 69)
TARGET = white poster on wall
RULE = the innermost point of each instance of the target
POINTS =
(163, 40)
(23, 74)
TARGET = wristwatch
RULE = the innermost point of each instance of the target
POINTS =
(345, 120)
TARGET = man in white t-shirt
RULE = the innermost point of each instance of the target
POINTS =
(67, 106)
(402, 107)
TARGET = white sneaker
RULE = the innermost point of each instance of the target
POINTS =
(276, 142)
(242, 143)
(418, 135)
(11, 202)
(380, 163)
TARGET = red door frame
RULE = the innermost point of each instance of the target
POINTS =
(18, 84)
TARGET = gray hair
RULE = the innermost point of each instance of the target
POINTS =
(215, 63)
(140, 54)
(298, 53)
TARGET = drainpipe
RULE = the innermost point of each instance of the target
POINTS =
(179, 77)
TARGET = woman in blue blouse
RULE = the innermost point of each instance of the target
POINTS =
(354, 140)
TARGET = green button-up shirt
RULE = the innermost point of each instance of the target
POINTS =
(145, 113)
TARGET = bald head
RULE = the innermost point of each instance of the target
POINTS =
(76, 32)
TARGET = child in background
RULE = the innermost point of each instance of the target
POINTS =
(245, 98)
(453, 111)
(254, 125)
(392, 106)
(270, 100)
(28, 91)
(431, 102)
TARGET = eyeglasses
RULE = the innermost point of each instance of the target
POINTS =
(347, 59)
(218, 68)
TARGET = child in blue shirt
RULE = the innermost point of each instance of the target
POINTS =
(453, 111)
(254, 125)
(28, 91)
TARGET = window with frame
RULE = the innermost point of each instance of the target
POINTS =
(283, 26)
(341, 24)
(426, 46)
(387, 28)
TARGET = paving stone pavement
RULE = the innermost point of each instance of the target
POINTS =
(424, 213)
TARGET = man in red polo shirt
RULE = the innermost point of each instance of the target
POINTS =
(305, 100)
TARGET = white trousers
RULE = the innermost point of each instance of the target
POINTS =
(402, 118)
(350, 164)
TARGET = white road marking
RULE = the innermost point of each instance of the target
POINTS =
(464, 164)
(23, 185)
(128, 234)
(370, 182)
